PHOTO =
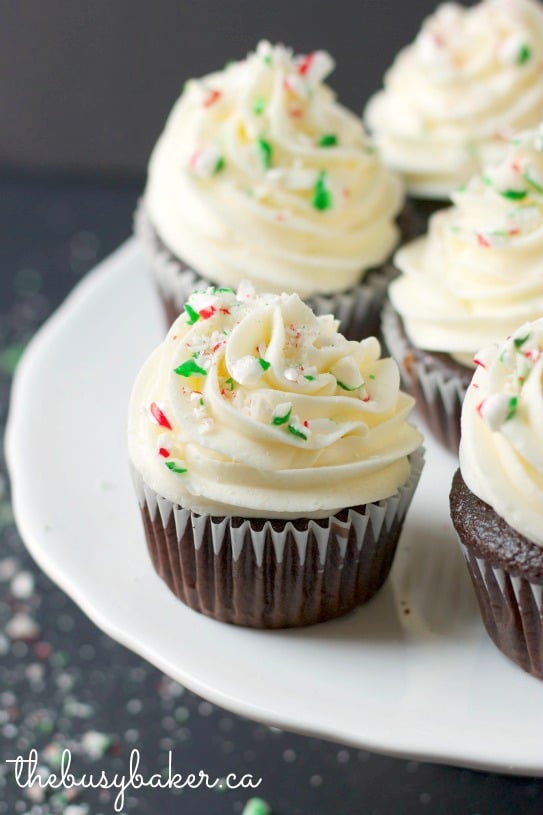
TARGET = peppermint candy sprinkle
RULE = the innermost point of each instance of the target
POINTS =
(206, 162)
(159, 416)
(498, 409)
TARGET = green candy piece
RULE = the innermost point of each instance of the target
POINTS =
(514, 195)
(518, 342)
(190, 368)
(264, 364)
(322, 197)
(265, 149)
(524, 54)
(9, 358)
(513, 405)
(259, 107)
(175, 468)
(256, 806)
(296, 432)
(328, 140)
(346, 387)
(278, 420)
(192, 314)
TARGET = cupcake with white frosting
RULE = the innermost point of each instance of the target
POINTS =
(473, 278)
(272, 458)
(261, 174)
(455, 96)
(497, 495)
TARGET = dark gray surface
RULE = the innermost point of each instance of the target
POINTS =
(68, 678)
(88, 85)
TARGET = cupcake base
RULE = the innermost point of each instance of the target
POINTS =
(507, 573)
(275, 573)
(358, 309)
(437, 382)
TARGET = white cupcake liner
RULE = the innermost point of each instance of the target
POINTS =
(358, 309)
(512, 611)
(275, 573)
(439, 393)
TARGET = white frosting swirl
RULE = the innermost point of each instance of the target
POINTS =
(453, 98)
(476, 275)
(260, 174)
(254, 406)
(501, 451)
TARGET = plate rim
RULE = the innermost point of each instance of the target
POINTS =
(130, 252)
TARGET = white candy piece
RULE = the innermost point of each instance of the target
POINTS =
(511, 47)
(200, 300)
(347, 372)
(246, 370)
(204, 163)
(320, 66)
(298, 85)
(281, 410)
(495, 409)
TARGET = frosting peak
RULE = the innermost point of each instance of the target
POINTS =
(476, 275)
(260, 173)
(255, 406)
(455, 95)
(501, 451)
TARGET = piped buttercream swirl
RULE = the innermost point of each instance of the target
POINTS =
(254, 406)
(501, 451)
(261, 174)
(453, 98)
(476, 275)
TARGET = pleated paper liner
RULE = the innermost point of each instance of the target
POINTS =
(507, 582)
(436, 381)
(358, 308)
(275, 573)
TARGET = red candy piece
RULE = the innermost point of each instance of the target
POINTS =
(212, 97)
(305, 64)
(159, 416)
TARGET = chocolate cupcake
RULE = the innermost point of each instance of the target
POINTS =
(471, 280)
(272, 460)
(497, 495)
(454, 97)
(261, 174)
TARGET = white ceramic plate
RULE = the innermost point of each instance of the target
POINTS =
(410, 674)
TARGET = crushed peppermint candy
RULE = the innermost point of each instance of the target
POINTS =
(190, 368)
(315, 67)
(281, 413)
(347, 374)
(247, 370)
(175, 467)
(206, 162)
(299, 429)
(497, 409)
(158, 415)
(322, 196)
(306, 356)
(507, 369)
(266, 152)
